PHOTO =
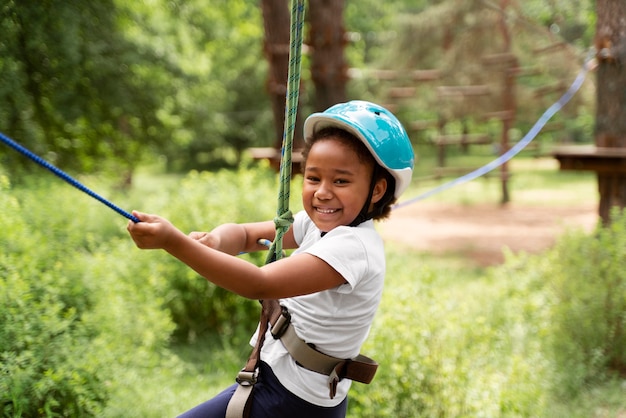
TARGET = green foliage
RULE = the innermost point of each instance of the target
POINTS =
(454, 346)
(75, 319)
(86, 318)
(372, 30)
(573, 21)
(523, 340)
(75, 95)
(218, 106)
(201, 201)
(588, 284)
(100, 85)
(456, 38)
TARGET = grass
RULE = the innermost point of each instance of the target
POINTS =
(188, 375)
(604, 401)
(536, 181)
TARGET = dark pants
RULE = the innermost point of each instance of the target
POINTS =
(270, 399)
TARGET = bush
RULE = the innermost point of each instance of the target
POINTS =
(452, 346)
(588, 286)
(509, 342)
(84, 312)
(200, 202)
(76, 317)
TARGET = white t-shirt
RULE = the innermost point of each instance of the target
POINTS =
(337, 321)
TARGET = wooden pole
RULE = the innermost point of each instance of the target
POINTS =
(610, 129)
(508, 100)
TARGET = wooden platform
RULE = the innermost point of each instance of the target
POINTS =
(591, 158)
(273, 156)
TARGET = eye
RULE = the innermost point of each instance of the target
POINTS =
(342, 181)
(312, 179)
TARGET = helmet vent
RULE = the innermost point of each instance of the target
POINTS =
(377, 113)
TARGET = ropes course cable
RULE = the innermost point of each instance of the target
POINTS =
(58, 172)
(284, 217)
(532, 133)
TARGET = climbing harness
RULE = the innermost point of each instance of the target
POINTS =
(360, 368)
(240, 403)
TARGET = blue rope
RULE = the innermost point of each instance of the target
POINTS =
(64, 176)
(534, 131)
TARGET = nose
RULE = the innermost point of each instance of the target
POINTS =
(324, 191)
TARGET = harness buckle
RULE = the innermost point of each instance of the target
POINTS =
(281, 324)
(246, 378)
(335, 377)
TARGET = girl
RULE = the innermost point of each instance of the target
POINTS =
(357, 161)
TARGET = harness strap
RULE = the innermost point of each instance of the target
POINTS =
(239, 404)
(278, 320)
(360, 368)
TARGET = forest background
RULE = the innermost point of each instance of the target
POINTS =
(158, 102)
(107, 85)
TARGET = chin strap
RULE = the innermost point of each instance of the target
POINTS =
(365, 214)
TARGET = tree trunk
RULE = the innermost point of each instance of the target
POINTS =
(508, 102)
(327, 40)
(610, 129)
(277, 24)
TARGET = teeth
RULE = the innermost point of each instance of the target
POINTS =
(326, 210)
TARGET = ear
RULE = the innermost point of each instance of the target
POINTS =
(379, 190)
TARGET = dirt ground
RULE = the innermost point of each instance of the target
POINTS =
(480, 232)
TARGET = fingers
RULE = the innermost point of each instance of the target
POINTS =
(145, 217)
(197, 235)
(152, 232)
(138, 215)
(206, 238)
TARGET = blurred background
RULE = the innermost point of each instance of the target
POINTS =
(505, 297)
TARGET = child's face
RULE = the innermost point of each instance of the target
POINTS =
(336, 184)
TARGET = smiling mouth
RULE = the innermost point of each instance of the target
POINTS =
(326, 211)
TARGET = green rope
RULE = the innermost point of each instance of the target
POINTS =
(284, 217)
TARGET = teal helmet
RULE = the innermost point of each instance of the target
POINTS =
(378, 129)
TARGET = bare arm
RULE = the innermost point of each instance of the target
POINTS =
(234, 238)
(292, 276)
